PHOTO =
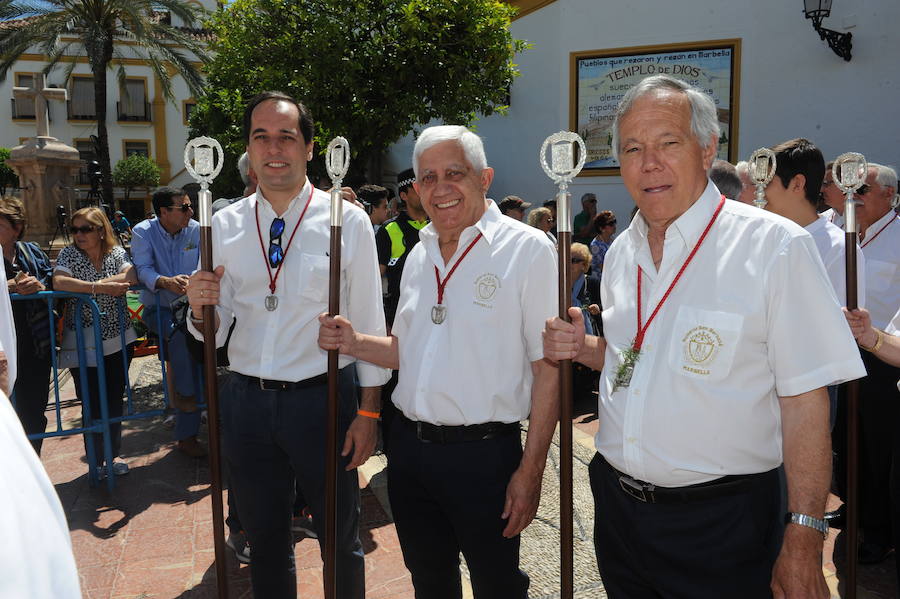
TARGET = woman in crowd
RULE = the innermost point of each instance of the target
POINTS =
(585, 295)
(27, 272)
(542, 218)
(98, 265)
(604, 228)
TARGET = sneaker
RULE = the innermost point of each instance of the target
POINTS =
(304, 523)
(237, 542)
(120, 468)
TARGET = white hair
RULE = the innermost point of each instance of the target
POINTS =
(886, 176)
(470, 143)
(244, 168)
(704, 118)
(743, 169)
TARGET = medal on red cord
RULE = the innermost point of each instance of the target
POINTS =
(629, 356)
(439, 310)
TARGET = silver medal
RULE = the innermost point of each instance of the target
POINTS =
(271, 302)
(438, 314)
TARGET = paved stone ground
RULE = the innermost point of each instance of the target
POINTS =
(152, 537)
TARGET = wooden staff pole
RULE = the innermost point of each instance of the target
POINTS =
(337, 161)
(204, 149)
(566, 499)
(562, 168)
(839, 173)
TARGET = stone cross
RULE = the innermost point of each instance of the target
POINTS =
(40, 93)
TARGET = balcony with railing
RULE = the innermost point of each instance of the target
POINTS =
(134, 111)
(81, 112)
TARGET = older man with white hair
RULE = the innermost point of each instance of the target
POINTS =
(721, 333)
(467, 341)
(879, 410)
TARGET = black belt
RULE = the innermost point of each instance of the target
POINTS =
(650, 493)
(270, 385)
(433, 433)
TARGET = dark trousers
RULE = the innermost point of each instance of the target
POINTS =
(31, 392)
(717, 547)
(269, 438)
(448, 498)
(115, 388)
(879, 450)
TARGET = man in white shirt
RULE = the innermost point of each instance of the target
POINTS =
(7, 345)
(833, 197)
(794, 193)
(721, 332)
(271, 252)
(879, 406)
(468, 349)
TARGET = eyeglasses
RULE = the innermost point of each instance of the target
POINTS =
(183, 207)
(276, 252)
(863, 189)
(577, 261)
(85, 229)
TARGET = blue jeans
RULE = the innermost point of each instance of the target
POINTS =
(187, 380)
(268, 439)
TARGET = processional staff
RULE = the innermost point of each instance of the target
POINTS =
(849, 172)
(562, 168)
(337, 161)
(762, 170)
(203, 161)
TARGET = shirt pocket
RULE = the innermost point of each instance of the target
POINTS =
(879, 275)
(704, 343)
(312, 277)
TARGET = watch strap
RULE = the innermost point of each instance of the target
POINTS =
(805, 520)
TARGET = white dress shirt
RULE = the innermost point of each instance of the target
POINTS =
(882, 273)
(752, 318)
(834, 218)
(475, 367)
(8, 340)
(37, 555)
(282, 344)
(830, 241)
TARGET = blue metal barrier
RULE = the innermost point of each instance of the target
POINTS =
(102, 425)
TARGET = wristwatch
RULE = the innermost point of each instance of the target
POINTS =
(804, 520)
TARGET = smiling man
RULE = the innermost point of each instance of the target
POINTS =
(721, 332)
(271, 252)
(467, 341)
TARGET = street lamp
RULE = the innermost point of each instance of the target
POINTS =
(839, 42)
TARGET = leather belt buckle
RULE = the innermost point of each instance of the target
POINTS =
(637, 490)
(267, 385)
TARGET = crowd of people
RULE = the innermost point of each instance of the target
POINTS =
(710, 332)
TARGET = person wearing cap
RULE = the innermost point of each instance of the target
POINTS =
(721, 332)
(458, 477)
(121, 225)
(583, 225)
(514, 207)
(396, 238)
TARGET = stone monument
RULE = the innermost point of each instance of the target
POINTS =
(46, 166)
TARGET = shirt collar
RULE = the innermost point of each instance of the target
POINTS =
(487, 225)
(266, 207)
(689, 225)
(876, 226)
(162, 230)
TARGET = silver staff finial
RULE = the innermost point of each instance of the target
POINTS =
(762, 170)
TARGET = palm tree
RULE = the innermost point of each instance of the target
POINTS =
(97, 26)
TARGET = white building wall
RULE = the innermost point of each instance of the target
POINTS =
(791, 83)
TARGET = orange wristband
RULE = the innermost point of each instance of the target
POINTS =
(368, 414)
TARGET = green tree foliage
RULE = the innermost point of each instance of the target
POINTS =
(370, 70)
(8, 178)
(135, 171)
(93, 28)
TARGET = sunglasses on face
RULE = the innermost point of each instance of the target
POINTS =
(85, 229)
(863, 189)
(276, 252)
(577, 261)
(183, 207)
